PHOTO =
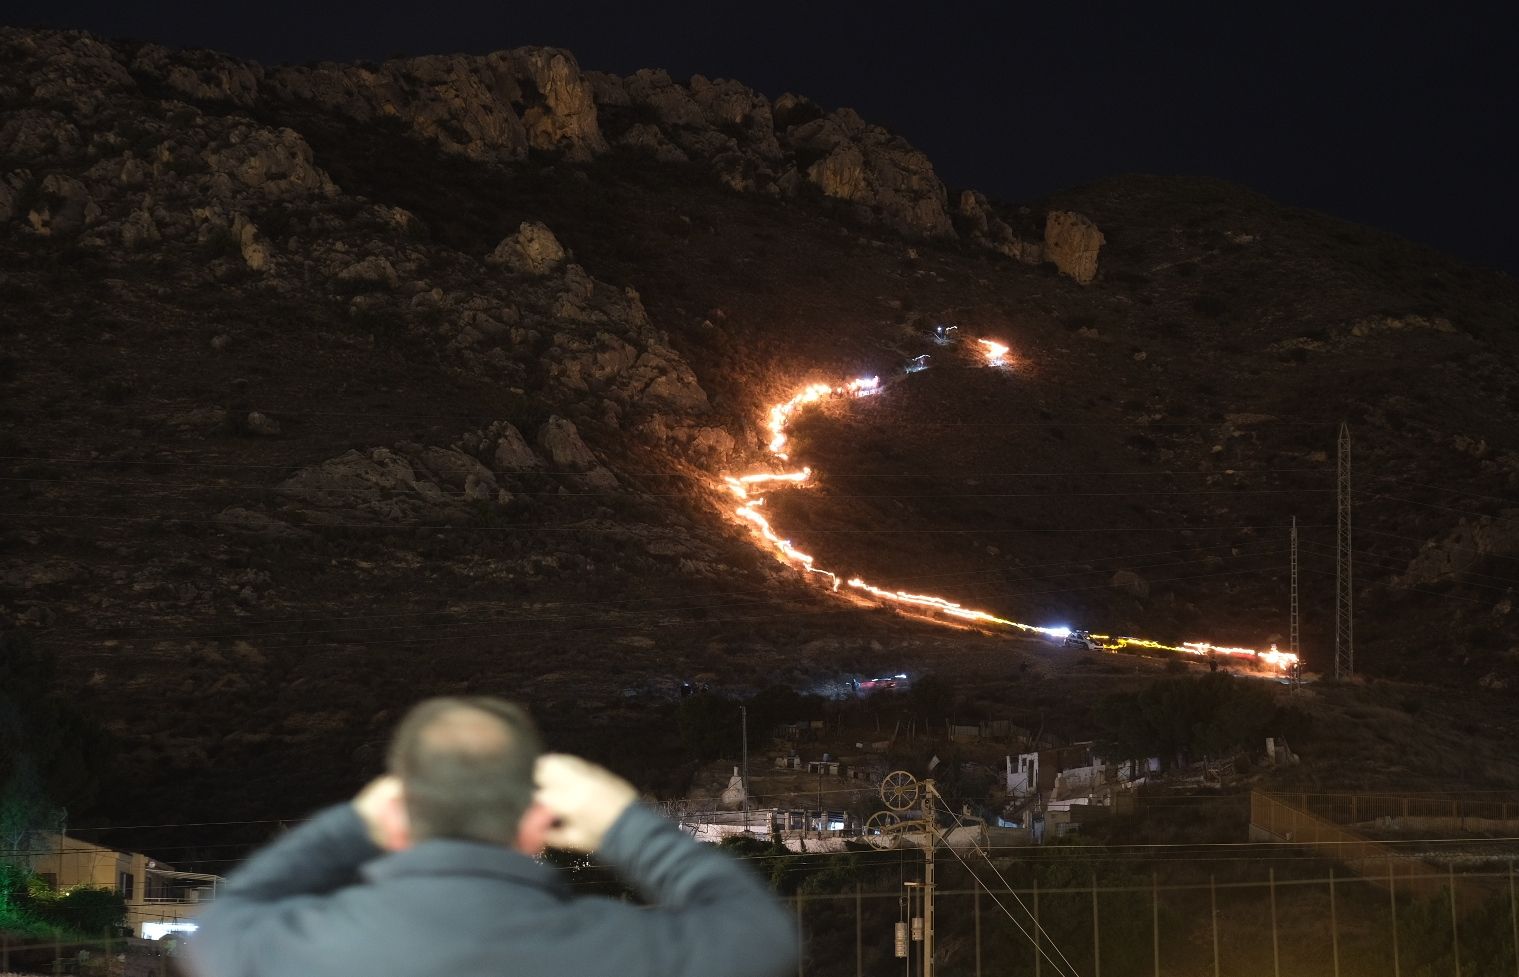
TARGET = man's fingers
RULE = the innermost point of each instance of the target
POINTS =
(585, 799)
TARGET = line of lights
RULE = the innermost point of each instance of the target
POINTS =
(931, 607)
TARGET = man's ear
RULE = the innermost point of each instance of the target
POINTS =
(393, 825)
(533, 829)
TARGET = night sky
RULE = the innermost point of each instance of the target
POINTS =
(1381, 115)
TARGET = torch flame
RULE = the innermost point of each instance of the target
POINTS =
(994, 352)
(940, 609)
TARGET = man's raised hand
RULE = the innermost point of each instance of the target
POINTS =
(586, 800)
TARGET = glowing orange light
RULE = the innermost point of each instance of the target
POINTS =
(994, 352)
(932, 607)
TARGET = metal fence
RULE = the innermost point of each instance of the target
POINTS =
(1279, 923)
(1326, 926)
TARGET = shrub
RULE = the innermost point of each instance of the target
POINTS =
(83, 910)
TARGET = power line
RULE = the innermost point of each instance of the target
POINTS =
(171, 518)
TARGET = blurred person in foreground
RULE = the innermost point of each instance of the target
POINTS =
(431, 870)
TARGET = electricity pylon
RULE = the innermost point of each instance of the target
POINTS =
(1344, 620)
(1292, 640)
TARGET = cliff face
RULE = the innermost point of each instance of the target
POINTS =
(501, 106)
(329, 386)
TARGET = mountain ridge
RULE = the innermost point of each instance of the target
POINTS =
(274, 363)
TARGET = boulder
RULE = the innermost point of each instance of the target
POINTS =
(378, 483)
(63, 206)
(866, 165)
(561, 442)
(276, 163)
(458, 471)
(10, 199)
(649, 139)
(512, 453)
(1072, 242)
(670, 103)
(202, 76)
(1470, 542)
(138, 230)
(533, 250)
(35, 135)
(1131, 583)
(375, 271)
(562, 116)
(254, 249)
(261, 424)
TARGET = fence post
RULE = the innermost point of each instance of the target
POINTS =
(1096, 934)
(1455, 934)
(977, 897)
(801, 950)
(1213, 906)
(1513, 915)
(1155, 919)
(1038, 968)
(1392, 901)
(859, 933)
(1276, 955)
(1334, 925)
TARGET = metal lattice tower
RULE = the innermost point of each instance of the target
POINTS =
(1344, 622)
(1292, 641)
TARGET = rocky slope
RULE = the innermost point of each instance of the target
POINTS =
(328, 386)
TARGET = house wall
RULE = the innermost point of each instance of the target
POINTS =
(73, 863)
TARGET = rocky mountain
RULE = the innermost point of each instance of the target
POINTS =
(326, 386)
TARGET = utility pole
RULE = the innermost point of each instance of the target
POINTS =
(743, 718)
(1344, 624)
(931, 835)
(1292, 641)
(883, 829)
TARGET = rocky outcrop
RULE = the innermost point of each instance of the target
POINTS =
(865, 165)
(533, 250)
(410, 482)
(1072, 242)
(203, 76)
(276, 163)
(378, 483)
(752, 145)
(1472, 540)
(491, 107)
(63, 206)
(985, 228)
(560, 440)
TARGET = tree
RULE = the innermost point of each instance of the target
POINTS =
(51, 756)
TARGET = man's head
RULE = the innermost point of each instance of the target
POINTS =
(465, 768)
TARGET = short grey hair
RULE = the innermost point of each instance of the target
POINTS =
(466, 768)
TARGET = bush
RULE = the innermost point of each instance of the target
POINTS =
(88, 911)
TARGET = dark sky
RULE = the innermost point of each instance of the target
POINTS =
(1388, 116)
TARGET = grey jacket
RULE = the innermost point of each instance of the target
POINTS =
(323, 901)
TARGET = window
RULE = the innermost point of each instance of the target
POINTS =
(124, 888)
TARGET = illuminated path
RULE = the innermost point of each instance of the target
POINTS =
(748, 489)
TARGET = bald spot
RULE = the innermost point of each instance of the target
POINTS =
(466, 731)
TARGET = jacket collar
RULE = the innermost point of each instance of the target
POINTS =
(443, 856)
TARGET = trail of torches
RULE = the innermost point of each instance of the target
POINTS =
(745, 489)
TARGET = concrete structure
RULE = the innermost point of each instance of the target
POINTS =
(796, 829)
(1054, 791)
(159, 899)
